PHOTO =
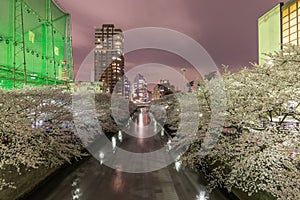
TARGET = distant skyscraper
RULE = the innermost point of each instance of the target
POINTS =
(140, 91)
(163, 88)
(126, 87)
(109, 59)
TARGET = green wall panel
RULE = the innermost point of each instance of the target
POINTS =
(269, 33)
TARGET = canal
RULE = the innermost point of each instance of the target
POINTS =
(93, 179)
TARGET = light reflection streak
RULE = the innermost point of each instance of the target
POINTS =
(169, 144)
(101, 156)
(76, 192)
(202, 196)
(113, 143)
(120, 137)
(178, 164)
(162, 132)
(118, 183)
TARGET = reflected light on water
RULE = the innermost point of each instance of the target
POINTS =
(140, 120)
(178, 164)
(76, 193)
(155, 126)
(120, 137)
(101, 156)
(140, 130)
(162, 132)
(118, 183)
(169, 145)
(202, 196)
(113, 143)
(140, 135)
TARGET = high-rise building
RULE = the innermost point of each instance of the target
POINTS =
(278, 27)
(163, 88)
(126, 87)
(109, 58)
(140, 90)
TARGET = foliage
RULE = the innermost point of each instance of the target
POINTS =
(36, 129)
(253, 152)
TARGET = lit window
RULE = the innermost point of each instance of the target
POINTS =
(294, 42)
(293, 15)
(285, 26)
(293, 29)
(285, 33)
(293, 36)
(293, 7)
(293, 22)
(285, 40)
(285, 19)
(285, 12)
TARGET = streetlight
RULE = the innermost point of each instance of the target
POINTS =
(183, 70)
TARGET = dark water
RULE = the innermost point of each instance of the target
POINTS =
(92, 179)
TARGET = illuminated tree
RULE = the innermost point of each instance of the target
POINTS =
(255, 152)
(36, 129)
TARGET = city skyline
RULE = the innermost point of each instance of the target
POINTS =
(227, 31)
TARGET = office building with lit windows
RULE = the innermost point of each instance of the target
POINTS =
(163, 87)
(108, 58)
(126, 87)
(140, 89)
(278, 27)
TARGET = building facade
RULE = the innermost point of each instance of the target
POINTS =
(290, 19)
(109, 58)
(126, 87)
(35, 44)
(278, 27)
(163, 87)
(140, 89)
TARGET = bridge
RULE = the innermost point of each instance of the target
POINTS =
(141, 105)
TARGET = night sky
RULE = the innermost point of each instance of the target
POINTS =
(226, 29)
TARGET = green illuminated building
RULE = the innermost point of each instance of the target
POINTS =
(35, 44)
(269, 33)
(277, 27)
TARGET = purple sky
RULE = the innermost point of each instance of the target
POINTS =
(226, 29)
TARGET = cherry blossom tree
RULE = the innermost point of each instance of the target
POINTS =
(256, 152)
(36, 129)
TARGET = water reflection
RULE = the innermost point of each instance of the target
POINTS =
(178, 164)
(101, 156)
(162, 132)
(76, 192)
(202, 196)
(118, 183)
(169, 146)
(114, 144)
(143, 118)
(120, 136)
(155, 126)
